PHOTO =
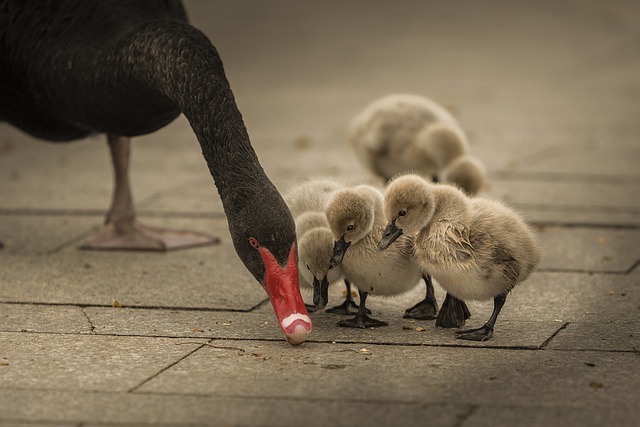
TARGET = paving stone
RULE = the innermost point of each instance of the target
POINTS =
(466, 375)
(106, 409)
(601, 334)
(496, 415)
(601, 196)
(598, 162)
(211, 277)
(85, 362)
(552, 215)
(43, 318)
(589, 249)
(41, 234)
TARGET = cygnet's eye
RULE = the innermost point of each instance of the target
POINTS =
(402, 212)
(308, 268)
(350, 227)
(330, 266)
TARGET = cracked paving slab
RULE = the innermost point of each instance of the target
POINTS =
(432, 374)
(85, 362)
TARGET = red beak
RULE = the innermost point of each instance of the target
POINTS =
(283, 289)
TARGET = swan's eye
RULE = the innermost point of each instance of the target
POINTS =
(402, 212)
(254, 243)
(350, 227)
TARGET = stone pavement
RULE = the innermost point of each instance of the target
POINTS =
(548, 92)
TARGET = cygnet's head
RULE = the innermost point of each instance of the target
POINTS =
(467, 173)
(442, 143)
(351, 214)
(315, 249)
(309, 220)
(409, 203)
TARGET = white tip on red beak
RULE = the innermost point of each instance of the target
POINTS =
(296, 327)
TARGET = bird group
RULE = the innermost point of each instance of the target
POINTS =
(428, 223)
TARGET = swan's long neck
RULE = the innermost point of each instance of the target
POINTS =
(182, 64)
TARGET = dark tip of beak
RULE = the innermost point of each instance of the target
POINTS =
(320, 292)
(389, 235)
(339, 249)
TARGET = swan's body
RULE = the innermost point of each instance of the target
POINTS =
(72, 68)
(477, 249)
(356, 218)
(409, 133)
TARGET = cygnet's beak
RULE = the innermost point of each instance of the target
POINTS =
(320, 292)
(389, 235)
(339, 249)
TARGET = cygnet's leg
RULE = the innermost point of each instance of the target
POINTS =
(485, 332)
(348, 306)
(121, 231)
(453, 313)
(428, 307)
(362, 320)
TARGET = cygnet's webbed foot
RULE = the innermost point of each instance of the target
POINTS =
(453, 313)
(347, 308)
(134, 236)
(486, 332)
(427, 309)
(362, 322)
(478, 334)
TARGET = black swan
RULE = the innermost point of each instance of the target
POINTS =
(70, 68)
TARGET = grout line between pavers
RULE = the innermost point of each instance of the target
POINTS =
(633, 267)
(133, 307)
(548, 340)
(93, 328)
(166, 368)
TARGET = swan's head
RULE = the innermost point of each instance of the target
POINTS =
(315, 249)
(409, 205)
(466, 172)
(263, 233)
(351, 214)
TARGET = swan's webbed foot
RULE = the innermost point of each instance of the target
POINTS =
(478, 334)
(453, 313)
(426, 309)
(362, 322)
(134, 236)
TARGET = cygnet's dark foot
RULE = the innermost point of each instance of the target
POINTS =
(453, 313)
(479, 334)
(311, 308)
(362, 322)
(138, 237)
(348, 307)
(427, 309)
